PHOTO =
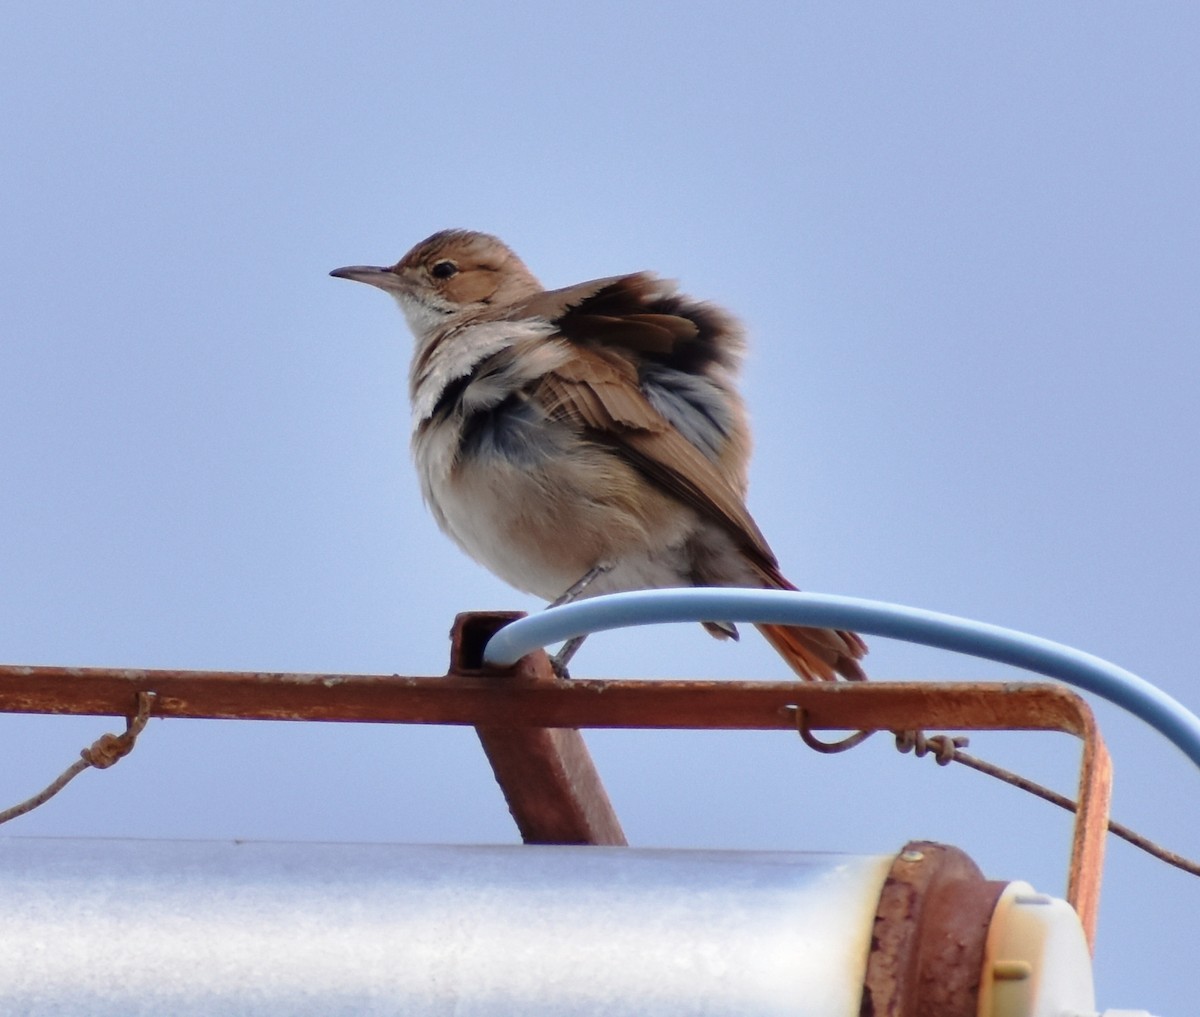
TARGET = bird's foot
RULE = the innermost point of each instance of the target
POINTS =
(560, 660)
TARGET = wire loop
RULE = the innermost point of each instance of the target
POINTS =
(947, 749)
(101, 754)
(828, 748)
(942, 747)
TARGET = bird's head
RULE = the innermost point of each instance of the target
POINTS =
(451, 272)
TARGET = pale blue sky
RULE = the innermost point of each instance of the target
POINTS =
(965, 239)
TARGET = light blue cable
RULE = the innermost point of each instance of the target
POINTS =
(873, 617)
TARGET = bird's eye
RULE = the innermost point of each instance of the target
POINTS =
(443, 270)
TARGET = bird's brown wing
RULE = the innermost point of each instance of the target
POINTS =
(645, 316)
(598, 392)
(618, 323)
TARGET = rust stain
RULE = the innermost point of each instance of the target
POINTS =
(929, 935)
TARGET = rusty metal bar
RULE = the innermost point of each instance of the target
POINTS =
(586, 703)
(547, 775)
(1089, 836)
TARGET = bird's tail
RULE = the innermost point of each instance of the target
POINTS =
(818, 654)
(815, 654)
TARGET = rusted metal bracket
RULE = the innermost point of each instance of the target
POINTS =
(930, 935)
(547, 775)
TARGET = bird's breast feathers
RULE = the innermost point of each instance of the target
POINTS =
(519, 483)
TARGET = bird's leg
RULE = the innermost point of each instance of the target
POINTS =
(560, 660)
(576, 588)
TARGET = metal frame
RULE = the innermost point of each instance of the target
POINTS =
(528, 722)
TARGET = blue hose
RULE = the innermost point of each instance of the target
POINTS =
(873, 617)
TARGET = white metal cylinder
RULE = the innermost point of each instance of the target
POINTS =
(136, 928)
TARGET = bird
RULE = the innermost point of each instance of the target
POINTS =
(589, 439)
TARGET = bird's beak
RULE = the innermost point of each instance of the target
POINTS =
(373, 275)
